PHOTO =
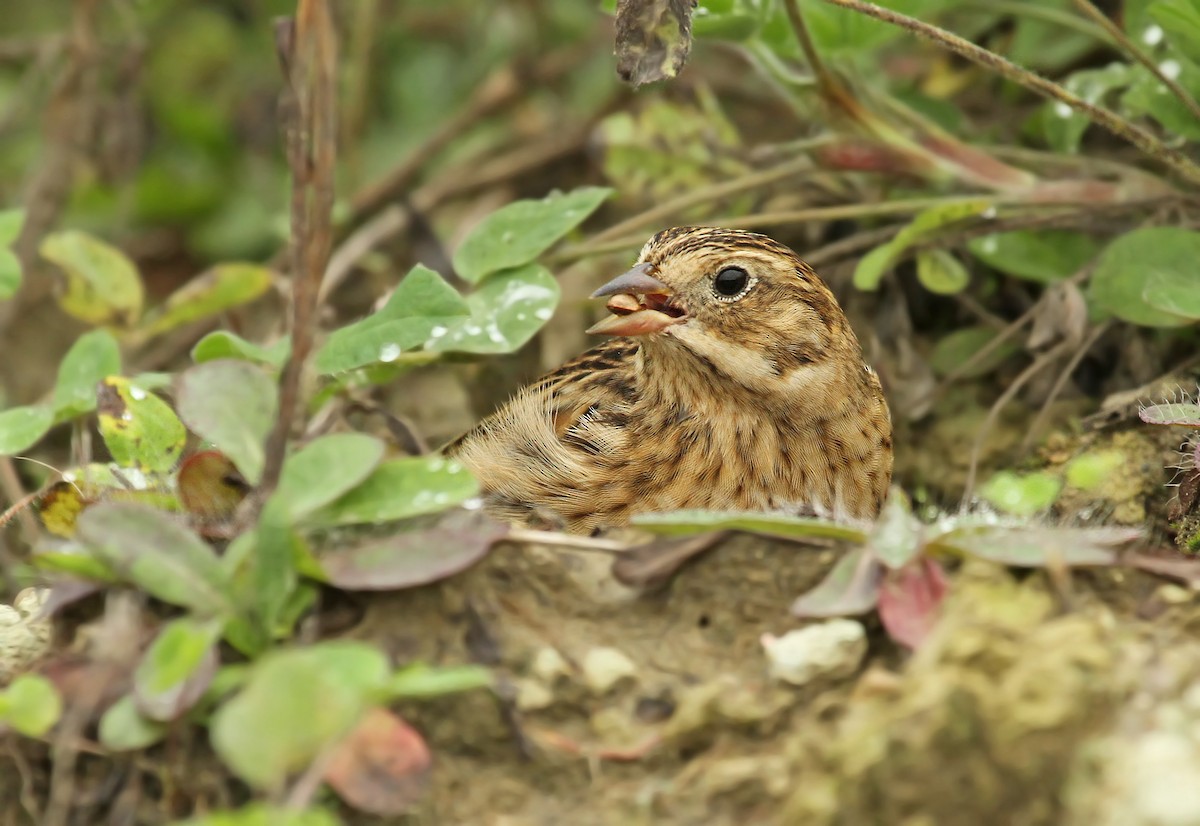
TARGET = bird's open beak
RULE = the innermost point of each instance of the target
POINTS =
(640, 304)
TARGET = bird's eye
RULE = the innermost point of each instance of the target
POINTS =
(731, 282)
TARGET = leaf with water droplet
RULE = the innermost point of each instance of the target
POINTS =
(518, 233)
(399, 489)
(506, 311)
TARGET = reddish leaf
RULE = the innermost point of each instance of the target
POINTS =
(82, 681)
(852, 587)
(210, 486)
(382, 767)
(910, 601)
(414, 557)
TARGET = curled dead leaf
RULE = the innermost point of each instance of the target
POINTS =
(653, 39)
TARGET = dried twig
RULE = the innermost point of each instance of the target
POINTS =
(1037, 84)
(307, 48)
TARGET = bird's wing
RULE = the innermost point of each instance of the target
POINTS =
(552, 442)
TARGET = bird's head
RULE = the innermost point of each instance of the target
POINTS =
(740, 301)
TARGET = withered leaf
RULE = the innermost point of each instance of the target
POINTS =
(382, 766)
(653, 39)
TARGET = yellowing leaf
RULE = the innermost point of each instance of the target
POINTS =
(219, 289)
(140, 430)
(103, 285)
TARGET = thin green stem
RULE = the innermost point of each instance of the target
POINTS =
(1037, 84)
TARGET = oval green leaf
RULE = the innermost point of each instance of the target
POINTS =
(941, 273)
(518, 233)
(326, 468)
(94, 356)
(1044, 256)
(222, 344)
(294, 705)
(399, 489)
(22, 427)
(30, 705)
(1021, 495)
(232, 404)
(123, 728)
(158, 553)
(176, 669)
(1164, 257)
(219, 289)
(103, 285)
(506, 311)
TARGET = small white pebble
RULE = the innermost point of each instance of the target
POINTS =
(604, 667)
(830, 650)
(533, 695)
(548, 665)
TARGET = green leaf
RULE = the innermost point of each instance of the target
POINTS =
(1186, 414)
(94, 356)
(1045, 256)
(850, 587)
(958, 347)
(372, 341)
(422, 304)
(1090, 470)
(219, 289)
(940, 272)
(22, 427)
(295, 704)
(262, 814)
(414, 554)
(518, 233)
(232, 404)
(30, 705)
(1037, 547)
(11, 223)
(419, 681)
(399, 489)
(1160, 257)
(1062, 125)
(222, 344)
(326, 468)
(1021, 495)
(1180, 20)
(10, 274)
(685, 522)
(177, 668)
(506, 310)
(103, 285)
(1174, 293)
(123, 728)
(156, 552)
(875, 264)
(896, 537)
(139, 429)
(272, 568)
(1147, 95)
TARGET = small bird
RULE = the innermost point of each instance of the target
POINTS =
(734, 383)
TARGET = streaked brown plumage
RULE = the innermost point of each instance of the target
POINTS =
(755, 400)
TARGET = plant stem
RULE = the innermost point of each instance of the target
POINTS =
(1106, 118)
(307, 48)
